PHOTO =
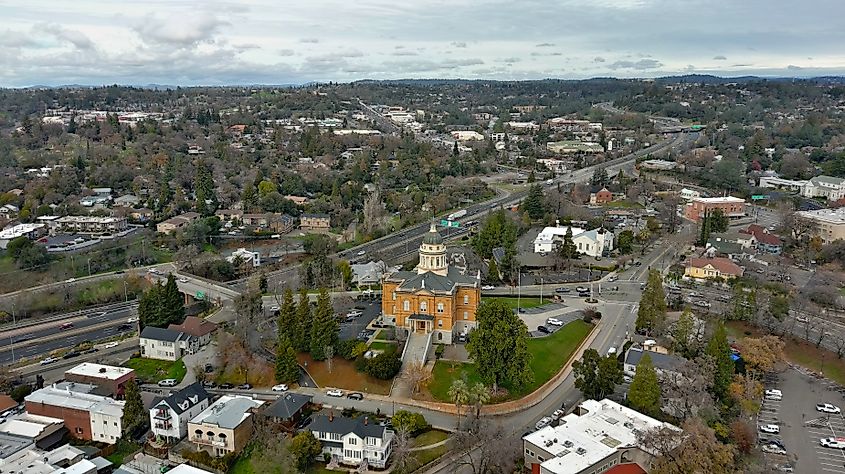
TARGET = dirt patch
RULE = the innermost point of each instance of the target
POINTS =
(344, 375)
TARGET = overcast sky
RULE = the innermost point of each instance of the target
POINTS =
(213, 42)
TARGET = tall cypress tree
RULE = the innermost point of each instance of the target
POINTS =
(149, 308)
(287, 322)
(172, 301)
(644, 394)
(324, 327)
(302, 340)
(287, 368)
(720, 351)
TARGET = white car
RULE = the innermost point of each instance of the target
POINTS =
(773, 392)
(773, 449)
(554, 322)
(703, 304)
(275, 308)
(611, 351)
(695, 295)
(488, 287)
(49, 360)
(168, 383)
(833, 443)
(361, 252)
(337, 393)
(133, 319)
(183, 280)
(802, 319)
(827, 408)
(771, 429)
(612, 278)
(109, 345)
(543, 422)
(280, 388)
(582, 289)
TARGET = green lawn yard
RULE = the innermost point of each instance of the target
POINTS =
(152, 370)
(549, 354)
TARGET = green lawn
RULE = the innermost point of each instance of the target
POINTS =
(124, 448)
(429, 455)
(549, 354)
(524, 302)
(382, 346)
(152, 370)
(430, 437)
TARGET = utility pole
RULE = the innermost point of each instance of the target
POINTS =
(11, 341)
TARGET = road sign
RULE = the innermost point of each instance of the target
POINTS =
(200, 295)
(447, 223)
(760, 197)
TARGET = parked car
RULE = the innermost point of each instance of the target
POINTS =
(771, 429)
(827, 408)
(702, 304)
(245, 386)
(773, 392)
(355, 396)
(275, 308)
(226, 386)
(48, 360)
(543, 422)
(488, 287)
(833, 443)
(802, 319)
(133, 319)
(71, 355)
(335, 393)
(521, 310)
(209, 368)
(209, 384)
(110, 345)
(582, 289)
(612, 278)
(167, 383)
(280, 388)
(611, 351)
(462, 337)
(773, 449)
(554, 322)
(183, 280)
(544, 329)
(361, 252)
(562, 289)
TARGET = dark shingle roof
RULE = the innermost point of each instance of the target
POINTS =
(186, 398)
(287, 406)
(160, 334)
(434, 282)
(660, 361)
(343, 426)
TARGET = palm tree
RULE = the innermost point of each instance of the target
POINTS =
(479, 395)
(459, 394)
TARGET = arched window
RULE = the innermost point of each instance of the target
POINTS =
(406, 305)
(466, 299)
(440, 323)
(423, 306)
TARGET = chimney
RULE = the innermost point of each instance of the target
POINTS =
(366, 420)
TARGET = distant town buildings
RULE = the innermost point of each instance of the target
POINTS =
(731, 207)
(87, 416)
(827, 224)
(175, 223)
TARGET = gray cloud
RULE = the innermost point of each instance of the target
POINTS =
(544, 45)
(404, 53)
(793, 67)
(720, 58)
(641, 65)
(599, 59)
(179, 32)
(286, 52)
(309, 40)
(458, 44)
(510, 60)
(74, 37)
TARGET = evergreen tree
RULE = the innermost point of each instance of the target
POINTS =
(534, 202)
(134, 414)
(499, 346)
(493, 272)
(286, 324)
(720, 351)
(596, 376)
(566, 249)
(204, 189)
(287, 368)
(644, 394)
(652, 311)
(249, 198)
(685, 340)
(302, 341)
(150, 307)
(600, 177)
(718, 221)
(324, 327)
(173, 302)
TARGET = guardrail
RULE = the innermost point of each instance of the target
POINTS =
(73, 314)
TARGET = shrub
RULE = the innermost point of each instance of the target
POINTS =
(384, 366)
(438, 351)
(413, 423)
(205, 459)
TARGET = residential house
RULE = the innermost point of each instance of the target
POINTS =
(746, 241)
(731, 207)
(65, 459)
(597, 437)
(549, 238)
(245, 259)
(91, 225)
(175, 223)
(224, 427)
(707, 268)
(275, 222)
(87, 416)
(352, 441)
(30, 231)
(719, 247)
(166, 344)
(288, 409)
(141, 215)
(200, 328)
(169, 416)
(600, 195)
(298, 200)
(766, 241)
(314, 222)
(595, 243)
(127, 200)
(370, 273)
(663, 363)
(9, 211)
(110, 380)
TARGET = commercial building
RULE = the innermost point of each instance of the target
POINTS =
(596, 437)
(110, 380)
(708, 268)
(175, 223)
(65, 459)
(169, 416)
(828, 224)
(30, 231)
(93, 225)
(224, 427)
(566, 147)
(434, 298)
(166, 344)
(352, 441)
(732, 207)
(87, 416)
(44, 432)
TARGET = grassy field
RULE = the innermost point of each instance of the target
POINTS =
(524, 302)
(382, 346)
(343, 375)
(549, 354)
(426, 456)
(430, 437)
(152, 370)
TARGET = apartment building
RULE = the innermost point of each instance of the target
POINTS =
(169, 417)
(110, 380)
(732, 207)
(175, 223)
(87, 416)
(314, 222)
(595, 438)
(91, 225)
(224, 427)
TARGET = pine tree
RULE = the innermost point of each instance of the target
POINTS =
(652, 311)
(249, 198)
(286, 324)
(644, 394)
(533, 204)
(149, 307)
(173, 303)
(287, 368)
(302, 341)
(324, 327)
(134, 414)
(493, 272)
(204, 189)
(685, 340)
(720, 351)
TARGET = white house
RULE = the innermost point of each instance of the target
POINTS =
(166, 344)
(828, 187)
(689, 194)
(169, 417)
(245, 257)
(353, 441)
(548, 238)
(595, 243)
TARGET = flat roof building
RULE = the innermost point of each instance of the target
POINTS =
(87, 416)
(829, 224)
(110, 379)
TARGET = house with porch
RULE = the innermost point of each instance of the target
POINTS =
(353, 441)
(169, 415)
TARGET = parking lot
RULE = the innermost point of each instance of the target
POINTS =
(801, 425)
(538, 316)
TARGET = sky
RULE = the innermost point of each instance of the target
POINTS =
(216, 42)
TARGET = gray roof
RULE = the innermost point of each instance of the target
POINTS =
(828, 180)
(160, 334)
(186, 398)
(228, 412)
(432, 237)
(725, 247)
(421, 317)
(287, 406)
(412, 281)
(344, 426)
(660, 361)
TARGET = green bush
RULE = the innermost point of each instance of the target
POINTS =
(384, 366)
(205, 459)
(413, 423)
(439, 349)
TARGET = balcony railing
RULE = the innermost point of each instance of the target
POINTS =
(209, 442)
(164, 426)
(162, 415)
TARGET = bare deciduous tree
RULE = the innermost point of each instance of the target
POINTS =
(416, 375)
(402, 458)
(485, 447)
(686, 391)
(329, 352)
(373, 211)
